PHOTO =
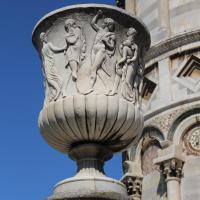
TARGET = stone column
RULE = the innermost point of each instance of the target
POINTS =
(92, 57)
(133, 180)
(171, 162)
(172, 170)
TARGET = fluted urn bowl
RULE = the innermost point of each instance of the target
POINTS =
(108, 120)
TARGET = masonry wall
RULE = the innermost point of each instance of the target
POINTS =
(171, 100)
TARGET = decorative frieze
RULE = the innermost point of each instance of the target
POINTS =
(164, 121)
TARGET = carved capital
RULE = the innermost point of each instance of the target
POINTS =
(172, 168)
(170, 161)
(133, 179)
(134, 187)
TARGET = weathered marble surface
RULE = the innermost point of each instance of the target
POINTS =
(92, 58)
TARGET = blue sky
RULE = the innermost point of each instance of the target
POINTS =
(29, 168)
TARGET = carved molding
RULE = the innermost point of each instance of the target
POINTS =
(167, 121)
(172, 43)
(189, 111)
(164, 121)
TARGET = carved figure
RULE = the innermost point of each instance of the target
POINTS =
(51, 75)
(76, 46)
(125, 66)
(104, 44)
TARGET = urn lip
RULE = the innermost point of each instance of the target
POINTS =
(139, 25)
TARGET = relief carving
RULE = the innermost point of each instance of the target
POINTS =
(52, 78)
(104, 46)
(125, 66)
(98, 72)
(76, 46)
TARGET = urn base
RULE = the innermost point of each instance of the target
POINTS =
(89, 188)
(90, 182)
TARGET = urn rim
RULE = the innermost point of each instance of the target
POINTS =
(139, 23)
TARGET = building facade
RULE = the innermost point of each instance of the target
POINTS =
(166, 162)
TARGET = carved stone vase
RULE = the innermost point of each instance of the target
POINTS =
(92, 61)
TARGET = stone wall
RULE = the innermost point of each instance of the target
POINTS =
(171, 99)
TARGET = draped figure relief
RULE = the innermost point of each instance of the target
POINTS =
(125, 66)
(52, 78)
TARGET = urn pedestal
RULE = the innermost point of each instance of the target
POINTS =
(92, 58)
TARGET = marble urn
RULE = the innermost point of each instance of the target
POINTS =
(92, 62)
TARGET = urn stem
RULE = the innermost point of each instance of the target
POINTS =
(90, 167)
(90, 159)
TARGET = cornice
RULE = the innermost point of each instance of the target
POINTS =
(172, 43)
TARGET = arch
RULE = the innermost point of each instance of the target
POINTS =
(182, 123)
(151, 132)
(151, 136)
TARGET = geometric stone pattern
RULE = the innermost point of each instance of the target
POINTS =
(172, 81)
(150, 86)
(188, 74)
